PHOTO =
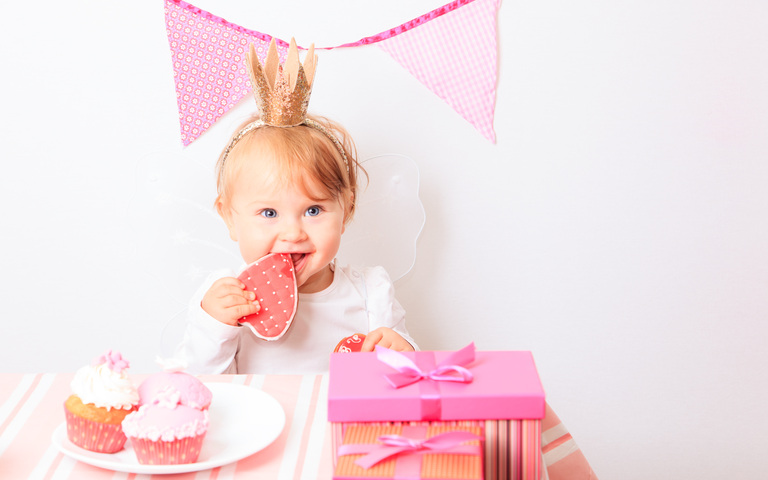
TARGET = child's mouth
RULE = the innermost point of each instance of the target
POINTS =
(298, 260)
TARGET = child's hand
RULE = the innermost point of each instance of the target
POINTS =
(227, 301)
(386, 337)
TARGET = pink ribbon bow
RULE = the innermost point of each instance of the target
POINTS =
(392, 445)
(449, 370)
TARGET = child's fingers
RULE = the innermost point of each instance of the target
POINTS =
(228, 285)
(237, 299)
(233, 308)
(245, 309)
(371, 340)
(235, 293)
(233, 290)
(401, 345)
(228, 281)
(385, 337)
(380, 336)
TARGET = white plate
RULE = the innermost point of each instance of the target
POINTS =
(242, 421)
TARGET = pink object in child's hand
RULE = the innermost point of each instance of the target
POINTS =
(273, 280)
(353, 343)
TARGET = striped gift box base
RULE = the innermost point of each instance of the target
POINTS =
(464, 464)
(512, 448)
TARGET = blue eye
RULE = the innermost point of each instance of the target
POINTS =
(268, 213)
(313, 211)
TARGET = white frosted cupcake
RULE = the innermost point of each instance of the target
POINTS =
(102, 397)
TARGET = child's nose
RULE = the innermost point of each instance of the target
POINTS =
(292, 231)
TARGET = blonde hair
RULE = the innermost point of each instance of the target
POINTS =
(302, 153)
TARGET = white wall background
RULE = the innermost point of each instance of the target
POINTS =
(618, 229)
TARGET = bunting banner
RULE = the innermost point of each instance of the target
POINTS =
(451, 50)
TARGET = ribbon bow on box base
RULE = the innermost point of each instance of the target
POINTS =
(408, 448)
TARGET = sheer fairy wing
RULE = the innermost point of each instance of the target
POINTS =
(179, 237)
(389, 217)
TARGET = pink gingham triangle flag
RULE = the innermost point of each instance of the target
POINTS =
(454, 55)
(208, 56)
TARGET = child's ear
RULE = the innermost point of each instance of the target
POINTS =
(225, 212)
(349, 209)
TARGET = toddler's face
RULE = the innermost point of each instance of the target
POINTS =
(264, 217)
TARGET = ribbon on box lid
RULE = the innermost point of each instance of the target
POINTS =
(451, 369)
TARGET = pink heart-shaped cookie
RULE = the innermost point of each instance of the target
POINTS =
(273, 279)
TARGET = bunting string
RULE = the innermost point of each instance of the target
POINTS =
(438, 12)
(451, 50)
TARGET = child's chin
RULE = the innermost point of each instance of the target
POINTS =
(316, 283)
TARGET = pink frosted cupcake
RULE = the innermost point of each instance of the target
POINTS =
(103, 396)
(192, 392)
(165, 432)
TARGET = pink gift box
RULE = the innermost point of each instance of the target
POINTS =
(505, 397)
(505, 386)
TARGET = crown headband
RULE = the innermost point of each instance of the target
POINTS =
(282, 94)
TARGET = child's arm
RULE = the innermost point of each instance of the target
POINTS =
(210, 344)
(386, 317)
(227, 301)
(386, 337)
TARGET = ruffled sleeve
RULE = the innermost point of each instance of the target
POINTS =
(208, 346)
(383, 308)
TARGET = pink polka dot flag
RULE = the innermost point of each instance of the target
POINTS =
(209, 60)
(451, 50)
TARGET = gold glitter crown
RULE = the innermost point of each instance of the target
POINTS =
(282, 91)
(282, 95)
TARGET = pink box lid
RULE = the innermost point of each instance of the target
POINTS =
(506, 385)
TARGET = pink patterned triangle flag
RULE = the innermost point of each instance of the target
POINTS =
(209, 55)
(454, 55)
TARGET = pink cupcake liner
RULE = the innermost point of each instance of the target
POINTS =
(159, 452)
(94, 436)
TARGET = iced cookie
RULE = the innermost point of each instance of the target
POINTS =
(352, 343)
(273, 280)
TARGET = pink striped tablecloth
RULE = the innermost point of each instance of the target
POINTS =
(31, 408)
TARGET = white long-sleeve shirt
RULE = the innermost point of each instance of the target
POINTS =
(358, 300)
